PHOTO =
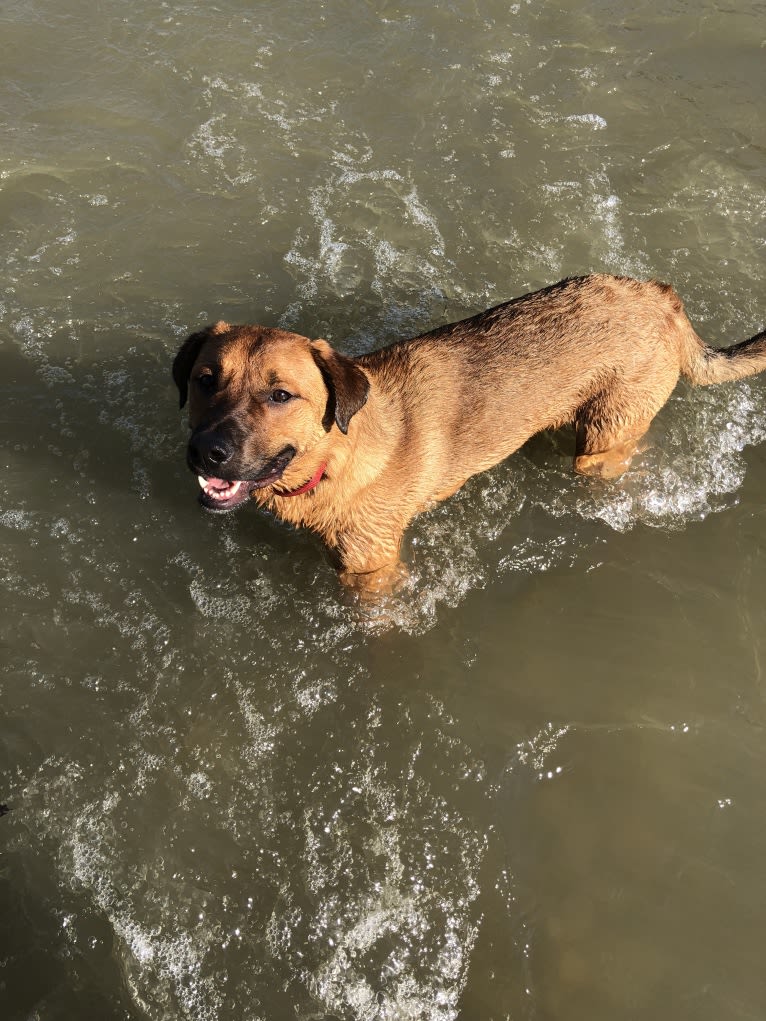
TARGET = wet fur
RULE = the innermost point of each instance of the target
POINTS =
(404, 427)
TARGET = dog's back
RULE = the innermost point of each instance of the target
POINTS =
(482, 386)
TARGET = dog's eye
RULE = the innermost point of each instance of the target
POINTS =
(206, 380)
(279, 396)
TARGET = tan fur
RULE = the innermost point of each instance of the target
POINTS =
(413, 421)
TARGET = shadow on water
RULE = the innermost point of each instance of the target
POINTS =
(109, 423)
(105, 410)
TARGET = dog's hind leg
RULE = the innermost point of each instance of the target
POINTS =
(610, 425)
(605, 453)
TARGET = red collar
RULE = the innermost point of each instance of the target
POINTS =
(312, 483)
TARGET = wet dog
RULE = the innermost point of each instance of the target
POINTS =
(354, 448)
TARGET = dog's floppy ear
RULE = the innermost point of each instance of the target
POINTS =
(187, 356)
(346, 383)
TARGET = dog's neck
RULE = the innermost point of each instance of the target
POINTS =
(312, 483)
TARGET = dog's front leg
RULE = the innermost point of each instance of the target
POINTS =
(368, 563)
(373, 586)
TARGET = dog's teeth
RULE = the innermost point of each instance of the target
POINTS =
(218, 489)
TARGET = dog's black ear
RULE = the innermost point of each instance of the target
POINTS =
(183, 361)
(187, 356)
(347, 384)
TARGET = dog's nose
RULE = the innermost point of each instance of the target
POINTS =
(209, 451)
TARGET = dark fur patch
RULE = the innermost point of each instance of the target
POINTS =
(185, 359)
(347, 387)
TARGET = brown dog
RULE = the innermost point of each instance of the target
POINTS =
(354, 448)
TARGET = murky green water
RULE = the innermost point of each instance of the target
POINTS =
(539, 795)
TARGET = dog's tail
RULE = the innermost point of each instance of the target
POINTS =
(704, 365)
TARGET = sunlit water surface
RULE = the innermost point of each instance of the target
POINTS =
(535, 791)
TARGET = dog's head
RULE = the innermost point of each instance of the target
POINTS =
(260, 401)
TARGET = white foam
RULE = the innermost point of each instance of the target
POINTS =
(211, 141)
(395, 944)
(322, 259)
(592, 120)
(235, 608)
(21, 520)
(536, 751)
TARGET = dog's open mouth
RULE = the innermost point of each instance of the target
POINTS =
(227, 494)
(222, 495)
